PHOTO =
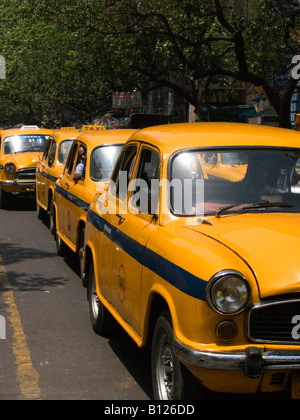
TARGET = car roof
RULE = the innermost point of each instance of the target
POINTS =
(93, 139)
(172, 137)
(20, 131)
(61, 135)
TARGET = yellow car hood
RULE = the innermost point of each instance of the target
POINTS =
(24, 160)
(268, 243)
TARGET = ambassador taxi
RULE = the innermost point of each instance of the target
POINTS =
(20, 150)
(91, 158)
(203, 267)
(50, 167)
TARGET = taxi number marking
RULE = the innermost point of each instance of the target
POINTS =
(121, 283)
(296, 329)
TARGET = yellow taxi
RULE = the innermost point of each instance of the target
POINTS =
(205, 269)
(75, 190)
(227, 164)
(20, 150)
(50, 167)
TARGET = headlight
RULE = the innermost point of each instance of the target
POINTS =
(10, 167)
(228, 292)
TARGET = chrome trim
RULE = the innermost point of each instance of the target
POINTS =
(235, 361)
(17, 182)
(256, 306)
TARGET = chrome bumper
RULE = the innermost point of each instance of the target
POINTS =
(252, 361)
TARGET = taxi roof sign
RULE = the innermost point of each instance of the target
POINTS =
(67, 128)
(92, 128)
(29, 127)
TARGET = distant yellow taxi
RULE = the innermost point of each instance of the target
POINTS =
(204, 268)
(227, 164)
(20, 150)
(91, 158)
(50, 167)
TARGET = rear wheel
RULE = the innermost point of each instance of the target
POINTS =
(60, 246)
(81, 257)
(101, 319)
(52, 217)
(41, 214)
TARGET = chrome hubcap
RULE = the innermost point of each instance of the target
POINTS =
(165, 370)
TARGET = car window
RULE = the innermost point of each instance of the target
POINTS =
(80, 159)
(52, 151)
(63, 151)
(145, 193)
(123, 171)
(103, 160)
(47, 148)
(246, 176)
(71, 157)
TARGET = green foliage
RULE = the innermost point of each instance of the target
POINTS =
(75, 53)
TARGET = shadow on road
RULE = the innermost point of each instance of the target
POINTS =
(21, 203)
(137, 361)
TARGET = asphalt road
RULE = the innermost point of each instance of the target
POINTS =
(50, 351)
(46, 316)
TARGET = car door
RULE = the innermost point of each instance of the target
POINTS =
(63, 197)
(75, 204)
(41, 179)
(116, 196)
(132, 228)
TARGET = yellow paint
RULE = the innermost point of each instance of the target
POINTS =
(27, 376)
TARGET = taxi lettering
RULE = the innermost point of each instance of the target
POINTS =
(92, 128)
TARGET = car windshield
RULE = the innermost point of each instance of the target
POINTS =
(235, 180)
(63, 151)
(103, 160)
(24, 143)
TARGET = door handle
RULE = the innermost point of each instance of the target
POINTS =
(121, 217)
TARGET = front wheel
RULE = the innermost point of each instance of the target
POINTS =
(101, 319)
(168, 375)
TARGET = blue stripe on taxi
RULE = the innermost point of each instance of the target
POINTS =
(172, 273)
(72, 198)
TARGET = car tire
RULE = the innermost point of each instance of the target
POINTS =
(52, 225)
(81, 257)
(61, 247)
(101, 319)
(41, 214)
(169, 376)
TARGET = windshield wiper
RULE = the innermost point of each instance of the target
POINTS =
(251, 206)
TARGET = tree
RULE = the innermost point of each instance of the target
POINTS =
(212, 39)
(75, 53)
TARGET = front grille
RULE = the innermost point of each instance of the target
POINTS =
(275, 322)
(26, 174)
